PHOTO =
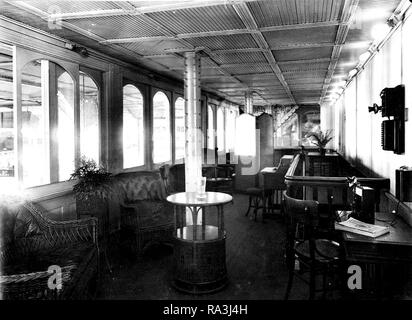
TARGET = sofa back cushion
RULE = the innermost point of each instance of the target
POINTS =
(142, 185)
(176, 178)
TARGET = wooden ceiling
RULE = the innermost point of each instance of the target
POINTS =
(290, 52)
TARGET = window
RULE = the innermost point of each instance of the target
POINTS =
(180, 138)
(48, 135)
(7, 130)
(230, 129)
(210, 128)
(220, 130)
(89, 118)
(65, 123)
(35, 125)
(133, 127)
(161, 128)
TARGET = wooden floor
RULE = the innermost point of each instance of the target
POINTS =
(255, 264)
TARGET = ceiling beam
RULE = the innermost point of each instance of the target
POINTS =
(235, 65)
(348, 12)
(287, 47)
(168, 33)
(304, 61)
(155, 6)
(223, 32)
(249, 21)
(229, 65)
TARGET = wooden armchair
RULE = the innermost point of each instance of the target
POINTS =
(32, 243)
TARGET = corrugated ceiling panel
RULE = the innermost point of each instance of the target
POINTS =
(219, 80)
(153, 47)
(239, 57)
(225, 85)
(72, 6)
(206, 62)
(297, 81)
(284, 12)
(117, 27)
(236, 41)
(307, 94)
(301, 67)
(212, 18)
(272, 87)
(171, 62)
(263, 84)
(249, 69)
(303, 53)
(210, 72)
(301, 36)
(265, 76)
(312, 75)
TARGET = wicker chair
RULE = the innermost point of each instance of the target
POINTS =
(32, 243)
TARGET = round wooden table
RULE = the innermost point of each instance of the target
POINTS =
(199, 264)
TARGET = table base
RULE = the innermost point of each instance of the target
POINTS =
(199, 267)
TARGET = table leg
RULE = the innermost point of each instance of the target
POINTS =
(194, 218)
(203, 224)
(182, 211)
(176, 217)
(220, 222)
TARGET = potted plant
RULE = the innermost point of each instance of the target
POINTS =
(320, 139)
(92, 189)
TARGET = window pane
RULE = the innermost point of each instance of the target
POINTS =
(230, 129)
(161, 128)
(7, 131)
(89, 118)
(220, 130)
(210, 128)
(133, 127)
(65, 129)
(35, 125)
(180, 128)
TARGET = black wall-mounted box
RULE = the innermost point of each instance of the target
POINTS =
(404, 185)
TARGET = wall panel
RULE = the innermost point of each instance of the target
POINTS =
(358, 132)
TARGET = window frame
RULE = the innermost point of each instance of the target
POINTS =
(23, 56)
(175, 98)
(221, 110)
(146, 147)
(21, 60)
(168, 94)
(211, 126)
(97, 77)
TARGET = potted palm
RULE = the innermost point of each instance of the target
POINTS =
(321, 139)
(92, 190)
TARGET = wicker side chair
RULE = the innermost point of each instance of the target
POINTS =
(34, 248)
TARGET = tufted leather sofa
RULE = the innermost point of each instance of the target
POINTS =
(145, 215)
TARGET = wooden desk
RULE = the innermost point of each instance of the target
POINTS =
(384, 260)
(393, 247)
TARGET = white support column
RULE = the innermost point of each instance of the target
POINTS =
(249, 102)
(193, 157)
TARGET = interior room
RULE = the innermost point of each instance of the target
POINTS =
(205, 150)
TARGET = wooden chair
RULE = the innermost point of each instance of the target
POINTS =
(313, 254)
(257, 200)
(270, 194)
